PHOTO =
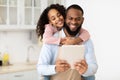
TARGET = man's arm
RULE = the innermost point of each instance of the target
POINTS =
(44, 66)
(47, 64)
(88, 66)
(90, 59)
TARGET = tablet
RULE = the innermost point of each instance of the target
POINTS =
(71, 53)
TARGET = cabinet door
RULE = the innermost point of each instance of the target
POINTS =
(8, 12)
(12, 12)
(25, 75)
(4, 76)
(18, 76)
(34, 75)
(32, 11)
(3, 12)
(19, 12)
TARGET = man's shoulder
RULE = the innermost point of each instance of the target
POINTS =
(88, 42)
(49, 45)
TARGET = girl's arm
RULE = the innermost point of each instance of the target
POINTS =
(84, 36)
(44, 65)
(48, 35)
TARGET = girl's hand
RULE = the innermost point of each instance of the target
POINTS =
(68, 41)
(62, 41)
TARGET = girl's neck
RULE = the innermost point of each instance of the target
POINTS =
(58, 29)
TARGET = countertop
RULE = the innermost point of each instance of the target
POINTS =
(17, 67)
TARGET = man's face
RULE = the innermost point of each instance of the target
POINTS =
(74, 19)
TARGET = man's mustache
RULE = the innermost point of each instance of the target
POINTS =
(73, 33)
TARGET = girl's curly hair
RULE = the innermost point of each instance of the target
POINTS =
(45, 20)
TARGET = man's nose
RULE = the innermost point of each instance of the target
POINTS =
(73, 21)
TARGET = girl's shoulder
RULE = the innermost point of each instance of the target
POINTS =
(48, 25)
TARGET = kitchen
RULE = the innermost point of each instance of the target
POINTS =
(19, 46)
(18, 20)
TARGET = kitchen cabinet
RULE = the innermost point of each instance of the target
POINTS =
(22, 14)
(23, 75)
(19, 14)
(26, 75)
(4, 76)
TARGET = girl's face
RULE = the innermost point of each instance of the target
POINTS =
(56, 19)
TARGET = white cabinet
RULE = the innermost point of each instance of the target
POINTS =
(19, 13)
(24, 75)
(32, 11)
(63, 2)
(4, 76)
(18, 76)
(22, 14)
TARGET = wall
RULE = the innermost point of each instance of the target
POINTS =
(16, 43)
(102, 19)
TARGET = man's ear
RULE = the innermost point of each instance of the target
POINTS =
(82, 19)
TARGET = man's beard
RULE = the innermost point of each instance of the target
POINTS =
(73, 33)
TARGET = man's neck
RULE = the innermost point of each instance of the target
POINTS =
(67, 34)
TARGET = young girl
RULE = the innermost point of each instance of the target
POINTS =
(51, 21)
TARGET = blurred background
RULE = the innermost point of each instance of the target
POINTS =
(18, 39)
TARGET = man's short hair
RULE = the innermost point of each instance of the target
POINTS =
(75, 6)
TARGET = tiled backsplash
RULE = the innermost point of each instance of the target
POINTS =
(16, 43)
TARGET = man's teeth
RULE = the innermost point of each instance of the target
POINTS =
(72, 26)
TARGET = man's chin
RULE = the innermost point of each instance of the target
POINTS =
(72, 27)
(73, 30)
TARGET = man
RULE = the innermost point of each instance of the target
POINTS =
(47, 64)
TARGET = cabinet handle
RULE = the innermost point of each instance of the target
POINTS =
(19, 75)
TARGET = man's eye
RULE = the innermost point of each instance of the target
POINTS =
(78, 19)
(70, 18)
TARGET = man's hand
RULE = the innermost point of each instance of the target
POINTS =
(61, 66)
(81, 66)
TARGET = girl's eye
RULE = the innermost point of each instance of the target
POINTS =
(53, 18)
(58, 15)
